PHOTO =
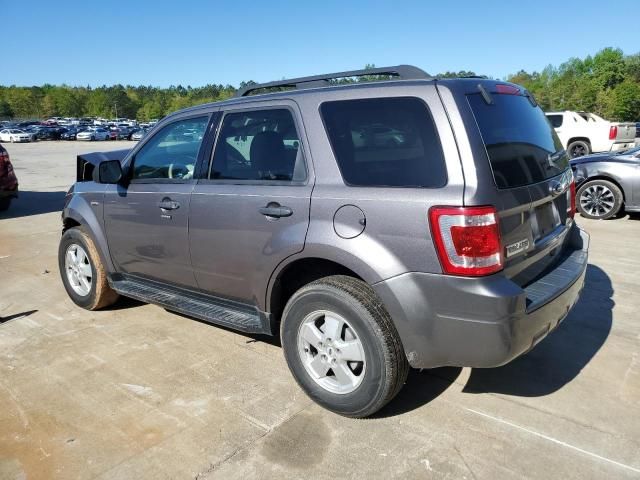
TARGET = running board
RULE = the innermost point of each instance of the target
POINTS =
(210, 309)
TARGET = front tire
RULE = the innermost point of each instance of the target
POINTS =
(83, 275)
(342, 346)
(578, 148)
(599, 199)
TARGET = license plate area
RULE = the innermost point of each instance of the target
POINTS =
(546, 219)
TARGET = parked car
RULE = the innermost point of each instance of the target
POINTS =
(139, 134)
(123, 133)
(8, 180)
(607, 183)
(33, 132)
(582, 133)
(14, 135)
(43, 132)
(71, 133)
(453, 244)
(94, 134)
(638, 130)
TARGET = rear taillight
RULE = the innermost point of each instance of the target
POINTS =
(613, 132)
(467, 239)
(4, 161)
(571, 211)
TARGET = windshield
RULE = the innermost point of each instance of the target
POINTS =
(521, 144)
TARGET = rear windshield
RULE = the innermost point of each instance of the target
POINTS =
(385, 142)
(521, 144)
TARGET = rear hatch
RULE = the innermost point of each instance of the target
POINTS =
(532, 180)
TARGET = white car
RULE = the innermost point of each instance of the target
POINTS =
(14, 135)
(582, 133)
(93, 134)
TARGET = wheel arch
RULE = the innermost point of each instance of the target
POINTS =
(576, 139)
(301, 270)
(79, 214)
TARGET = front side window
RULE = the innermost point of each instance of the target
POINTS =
(260, 145)
(385, 142)
(172, 152)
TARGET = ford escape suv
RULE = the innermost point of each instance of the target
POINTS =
(376, 226)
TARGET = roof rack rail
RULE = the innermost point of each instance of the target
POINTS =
(403, 72)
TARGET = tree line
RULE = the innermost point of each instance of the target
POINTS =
(607, 83)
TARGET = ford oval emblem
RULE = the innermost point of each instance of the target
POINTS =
(556, 188)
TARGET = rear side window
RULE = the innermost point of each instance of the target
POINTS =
(260, 145)
(556, 120)
(522, 146)
(385, 142)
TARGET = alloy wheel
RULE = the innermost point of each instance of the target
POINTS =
(597, 200)
(78, 269)
(331, 352)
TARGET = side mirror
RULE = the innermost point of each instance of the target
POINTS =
(110, 172)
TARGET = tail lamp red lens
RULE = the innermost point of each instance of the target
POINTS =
(467, 240)
(613, 132)
(571, 211)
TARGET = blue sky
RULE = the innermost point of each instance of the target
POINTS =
(198, 42)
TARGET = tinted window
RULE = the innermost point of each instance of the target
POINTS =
(556, 120)
(260, 145)
(522, 146)
(172, 152)
(385, 142)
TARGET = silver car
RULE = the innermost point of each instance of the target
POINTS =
(608, 183)
(14, 135)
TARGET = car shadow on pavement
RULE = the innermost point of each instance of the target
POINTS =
(34, 203)
(421, 387)
(559, 358)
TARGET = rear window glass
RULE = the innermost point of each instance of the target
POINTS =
(385, 142)
(556, 120)
(521, 144)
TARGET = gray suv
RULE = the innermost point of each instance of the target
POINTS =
(375, 226)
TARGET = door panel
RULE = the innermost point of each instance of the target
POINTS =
(145, 239)
(252, 210)
(147, 222)
(234, 247)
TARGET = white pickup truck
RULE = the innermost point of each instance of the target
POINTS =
(582, 133)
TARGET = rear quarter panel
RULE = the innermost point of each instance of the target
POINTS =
(396, 238)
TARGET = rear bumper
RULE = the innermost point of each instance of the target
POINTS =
(482, 322)
(616, 147)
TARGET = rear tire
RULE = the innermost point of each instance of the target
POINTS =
(99, 294)
(363, 366)
(599, 199)
(578, 148)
